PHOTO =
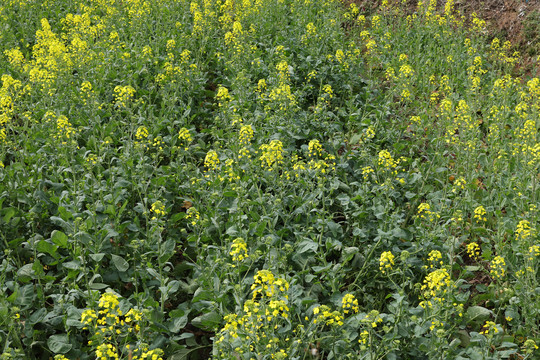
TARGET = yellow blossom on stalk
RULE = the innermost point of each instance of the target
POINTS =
(3, 135)
(246, 135)
(158, 143)
(386, 261)
(459, 184)
(147, 51)
(498, 267)
(390, 73)
(534, 251)
(108, 301)
(170, 45)
(386, 160)
(155, 354)
(348, 303)
(158, 209)
(436, 284)
(489, 329)
(435, 258)
(366, 170)
(324, 314)
(473, 250)
(238, 249)
(266, 284)
(424, 212)
(373, 318)
(141, 135)
(480, 214)
(60, 357)
(222, 95)
(364, 336)
(185, 138)
(523, 230)
(311, 29)
(193, 214)
(64, 129)
(123, 94)
(211, 161)
(529, 346)
(88, 316)
(314, 148)
(272, 154)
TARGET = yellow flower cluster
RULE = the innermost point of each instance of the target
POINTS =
(435, 259)
(349, 303)
(534, 251)
(211, 161)
(436, 285)
(271, 154)
(193, 214)
(498, 267)
(223, 95)
(64, 130)
(123, 94)
(246, 135)
(523, 230)
(141, 136)
(424, 212)
(185, 138)
(324, 315)
(473, 250)
(263, 314)
(480, 214)
(386, 261)
(490, 328)
(238, 249)
(110, 324)
(266, 284)
(373, 318)
(158, 209)
(314, 148)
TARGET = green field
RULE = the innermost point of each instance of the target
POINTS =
(265, 179)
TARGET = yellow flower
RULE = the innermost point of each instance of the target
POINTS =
(386, 261)
(272, 154)
(211, 161)
(238, 249)
(158, 209)
(473, 250)
(185, 138)
(498, 267)
(349, 302)
(479, 214)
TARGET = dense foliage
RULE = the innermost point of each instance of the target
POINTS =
(277, 179)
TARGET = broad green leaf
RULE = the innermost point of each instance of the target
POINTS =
(59, 344)
(307, 245)
(59, 238)
(208, 321)
(120, 263)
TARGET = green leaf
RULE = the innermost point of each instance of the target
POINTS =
(59, 238)
(179, 319)
(37, 316)
(59, 344)
(120, 263)
(97, 257)
(208, 321)
(25, 296)
(479, 313)
(307, 245)
(44, 246)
